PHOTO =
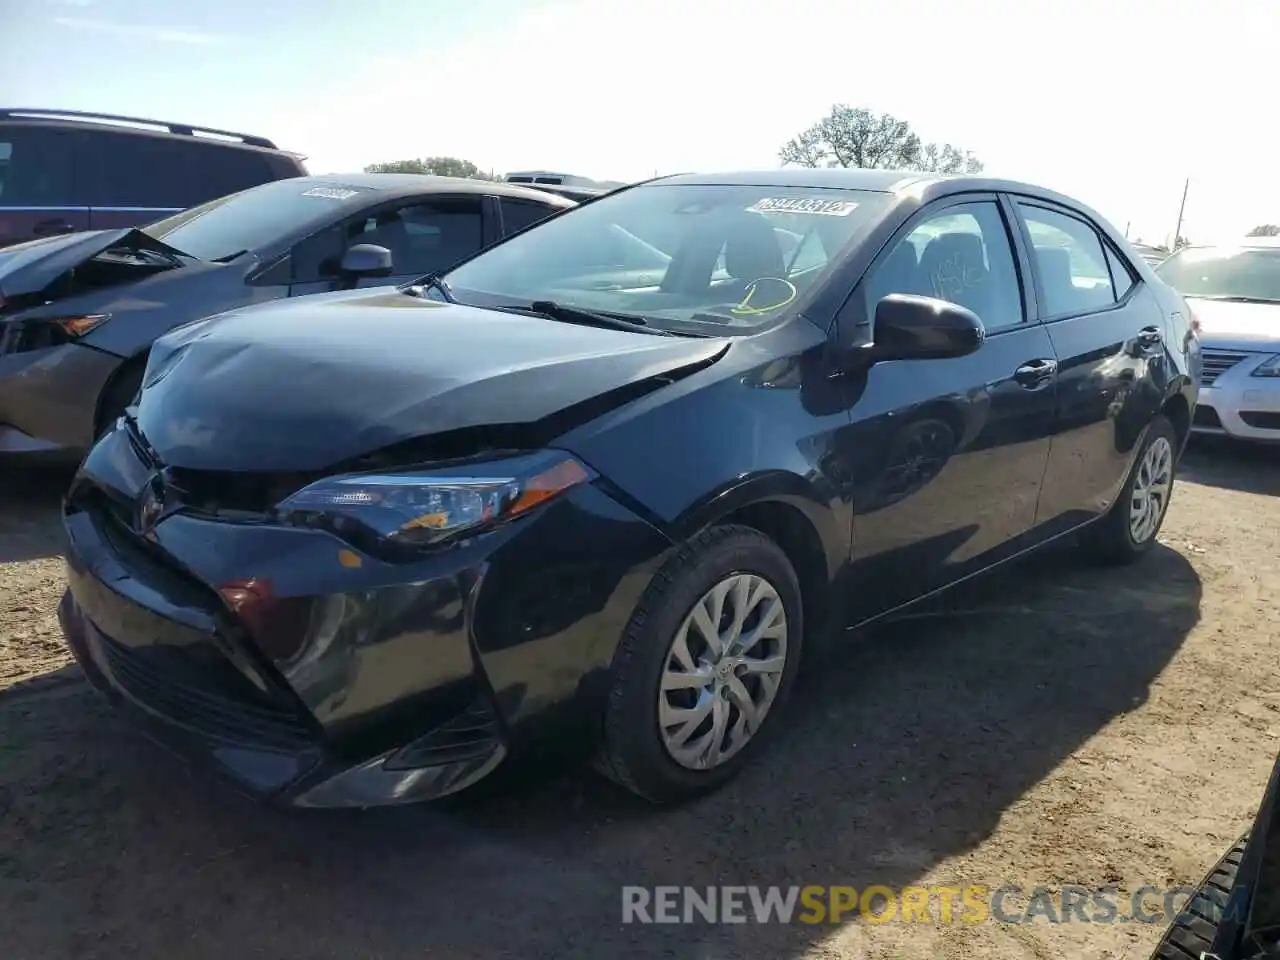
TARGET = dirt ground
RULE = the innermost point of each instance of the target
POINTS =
(1052, 725)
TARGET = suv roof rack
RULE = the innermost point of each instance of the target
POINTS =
(180, 129)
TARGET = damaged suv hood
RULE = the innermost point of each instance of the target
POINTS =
(29, 268)
(306, 384)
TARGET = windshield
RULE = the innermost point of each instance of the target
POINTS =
(711, 259)
(1224, 272)
(250, 219)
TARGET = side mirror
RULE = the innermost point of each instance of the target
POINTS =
(909, 327)
(365, 260)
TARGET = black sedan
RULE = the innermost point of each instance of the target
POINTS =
(78, 313)
(598, 486)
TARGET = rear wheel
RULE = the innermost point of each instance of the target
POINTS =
(1192, 931)
(119, 393)
(703, 667)
(1130, 527)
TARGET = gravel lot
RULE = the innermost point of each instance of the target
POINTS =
(1052, 725)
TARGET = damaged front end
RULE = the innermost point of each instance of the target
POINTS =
(43, 273)
(399, 618)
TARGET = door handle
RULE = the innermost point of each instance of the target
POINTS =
(1034, 374)
(48, 228)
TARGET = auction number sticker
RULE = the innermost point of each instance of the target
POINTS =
(330, 193)
(825, 208)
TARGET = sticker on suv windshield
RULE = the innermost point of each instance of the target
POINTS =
(330, 193)
(826, 208)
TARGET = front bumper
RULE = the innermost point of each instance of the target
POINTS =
(48, 400)
(351, 685)
(1249, 411)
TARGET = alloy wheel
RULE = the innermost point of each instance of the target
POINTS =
(1151, 490)
(722, 672)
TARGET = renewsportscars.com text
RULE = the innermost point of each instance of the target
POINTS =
(973, 903)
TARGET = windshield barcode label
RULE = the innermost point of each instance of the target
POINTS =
(826, 208)
(330, 193)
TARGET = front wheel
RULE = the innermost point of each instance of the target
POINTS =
(703, 667)
(1130, 527)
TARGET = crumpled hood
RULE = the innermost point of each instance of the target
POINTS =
(305, 384)
(1249, 326)
(28, 268)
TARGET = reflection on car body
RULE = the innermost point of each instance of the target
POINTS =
(596, 489)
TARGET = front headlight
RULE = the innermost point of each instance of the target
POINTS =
(402, 513)
(37, 333)
(1269, 367)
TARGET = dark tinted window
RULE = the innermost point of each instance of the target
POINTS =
(226, 170)
(316, 258)
(425, 237)
(1070, 259)
(960, 254)
(254, 218)
(140, 171)
(518, 214)
(169, 172)
(37, 166)
(1121, 276)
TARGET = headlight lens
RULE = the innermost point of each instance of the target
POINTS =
(406, 512)
(1269, 367)
(37, 333)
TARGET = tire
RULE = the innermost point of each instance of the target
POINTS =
(1111, 540)
(634, 750)
(1192, 930)
(119, 393)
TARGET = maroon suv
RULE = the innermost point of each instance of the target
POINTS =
(63, 171)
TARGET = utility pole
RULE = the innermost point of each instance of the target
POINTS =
(1177, 233)
(1127, 225)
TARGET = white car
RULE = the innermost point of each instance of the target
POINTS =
(1234, 295)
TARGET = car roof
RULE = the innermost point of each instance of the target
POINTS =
(895, 182)
(392, 185)
(138, 127)
(842, 178)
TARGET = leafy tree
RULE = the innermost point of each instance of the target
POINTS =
(856, 137)
(1265, 230)
(439, 166)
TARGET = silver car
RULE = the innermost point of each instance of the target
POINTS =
(1234, 295)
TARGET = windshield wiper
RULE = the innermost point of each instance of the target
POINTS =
(1239, 299)
(590, 318)
(432, 281)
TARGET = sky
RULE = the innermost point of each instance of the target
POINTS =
(1114, 102)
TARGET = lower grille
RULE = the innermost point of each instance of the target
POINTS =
(1206, 417)
(165, 681)
(1214, 363)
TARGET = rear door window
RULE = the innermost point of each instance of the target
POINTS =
(1072, 263)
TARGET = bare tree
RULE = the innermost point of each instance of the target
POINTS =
(1265, 230)
(856, 137)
